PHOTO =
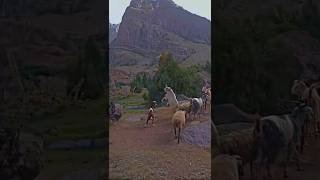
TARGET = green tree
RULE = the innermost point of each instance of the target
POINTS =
(140, 81)
(182, 80)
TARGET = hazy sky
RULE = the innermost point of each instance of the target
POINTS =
(199, 7)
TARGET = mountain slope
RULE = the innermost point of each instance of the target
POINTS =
(151, 27)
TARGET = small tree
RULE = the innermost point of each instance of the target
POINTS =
(182, 80)
(140, 81)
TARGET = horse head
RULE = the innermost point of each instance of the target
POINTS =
(167, 89)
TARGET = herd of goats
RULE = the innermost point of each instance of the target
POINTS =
(270, 140)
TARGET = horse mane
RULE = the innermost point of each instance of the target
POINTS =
(171, 96)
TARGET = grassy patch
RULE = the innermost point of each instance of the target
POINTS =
(133, 100)
(77, 123)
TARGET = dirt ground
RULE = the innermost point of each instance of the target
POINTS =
(310, 162)
(136, 152)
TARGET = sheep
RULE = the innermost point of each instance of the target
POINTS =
(240, 143)
(184, 106)
(226, 167)
(215, 135)
(178, 121)
(281, 133)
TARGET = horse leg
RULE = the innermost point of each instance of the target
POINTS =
(309, 129)
(179, 135)
(302, 144)
(153, 119)
(299, 168)
(251, 169)
(148, 118)
(315, 131)
(318, 127)
(175, 134)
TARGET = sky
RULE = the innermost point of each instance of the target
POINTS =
(200, 7)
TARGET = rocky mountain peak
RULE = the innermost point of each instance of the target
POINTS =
(151, 4)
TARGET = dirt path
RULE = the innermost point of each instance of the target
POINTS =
(136, 152)
(310, 162)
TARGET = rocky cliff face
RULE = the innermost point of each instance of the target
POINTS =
(113, 31)
(150, 27)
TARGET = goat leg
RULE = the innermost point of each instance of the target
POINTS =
(297, 158)
(302, 140)
(251, 168)
(318, 128)
(285, 172)
(268, 171)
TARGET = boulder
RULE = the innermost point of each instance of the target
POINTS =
(199, 134)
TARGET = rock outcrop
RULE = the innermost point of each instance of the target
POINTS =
(113, 31)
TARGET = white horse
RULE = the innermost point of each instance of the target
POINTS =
(173, 103)
(170, 96)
